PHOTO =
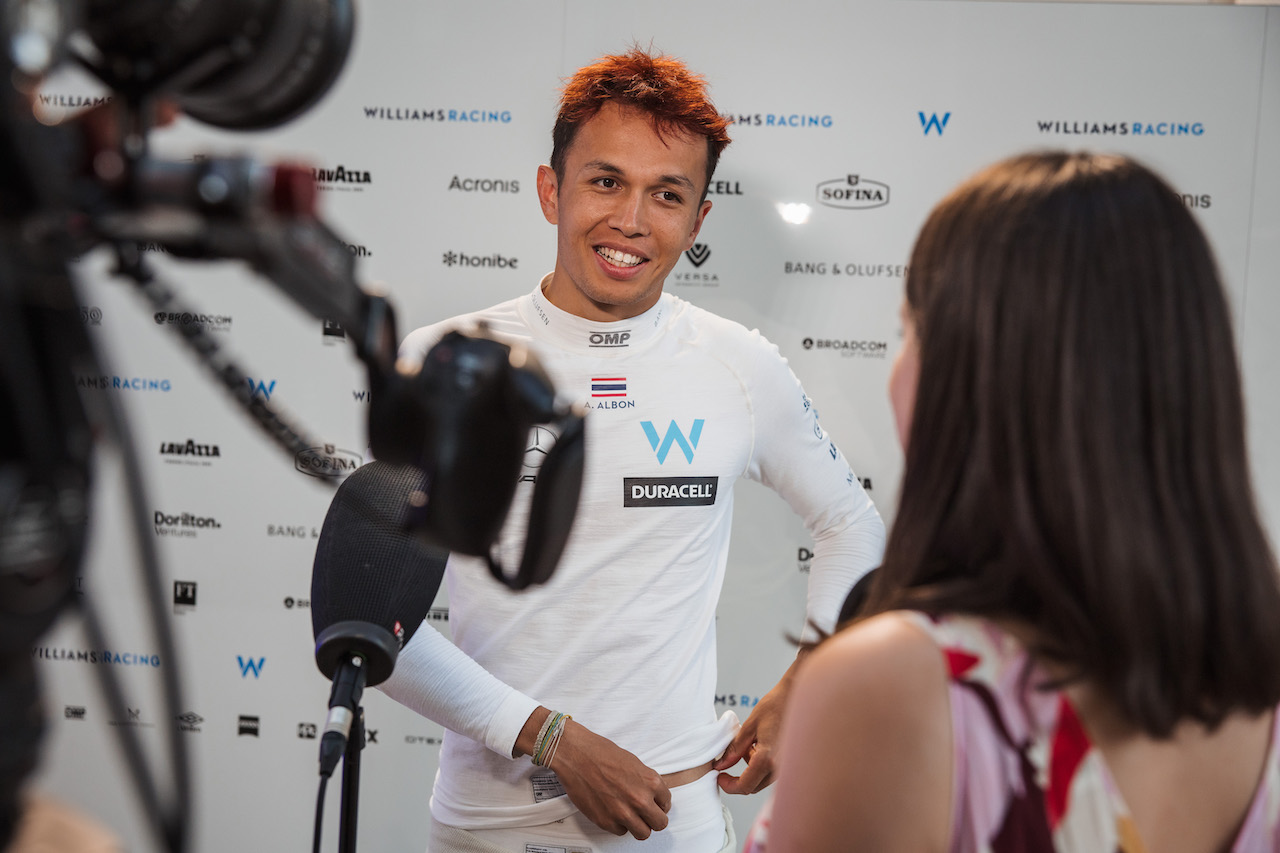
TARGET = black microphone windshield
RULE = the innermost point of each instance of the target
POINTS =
(369, 567)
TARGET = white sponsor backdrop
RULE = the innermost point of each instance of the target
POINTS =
(438, 123)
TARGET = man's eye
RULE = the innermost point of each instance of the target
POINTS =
(667, 195)
(607, 183)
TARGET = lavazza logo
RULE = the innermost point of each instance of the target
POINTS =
(189, 452)
(853, 192)
(327, 462)
(343, 179)
(849, 348)
(184, 525)
(494, 261)
(208, 322)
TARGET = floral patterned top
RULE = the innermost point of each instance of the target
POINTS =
(1027, 779)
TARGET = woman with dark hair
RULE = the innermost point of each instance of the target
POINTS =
(1073, 643)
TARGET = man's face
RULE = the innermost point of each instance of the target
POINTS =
(626, 209)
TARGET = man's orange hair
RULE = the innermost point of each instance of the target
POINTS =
(662, 86)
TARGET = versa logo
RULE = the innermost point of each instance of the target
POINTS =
(262, 388)
(933, 122)
(673, 437)
(698, 254)
(251, 665)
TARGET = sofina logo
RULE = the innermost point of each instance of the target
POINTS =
(932, 122)
(674, 437)
(251, 665)
(853, 193)
(327, 462)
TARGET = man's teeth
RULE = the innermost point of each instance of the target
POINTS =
(619, 259)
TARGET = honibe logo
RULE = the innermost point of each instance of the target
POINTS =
(250, 665)
(674, 437)
(932, 122)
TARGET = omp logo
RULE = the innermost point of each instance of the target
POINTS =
(673, 437)
(251, 665)
(263, 389)
(698, 254)
(933, 123)
(609, 339)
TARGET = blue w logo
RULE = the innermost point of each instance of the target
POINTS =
(673, 436)
(932, 122)
(250, 665)
(261, 388)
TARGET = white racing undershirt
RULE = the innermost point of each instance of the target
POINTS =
(623, 635)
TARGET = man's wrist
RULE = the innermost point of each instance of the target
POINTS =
(527, 740)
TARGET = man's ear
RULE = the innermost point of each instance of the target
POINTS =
(697, 224)
(548, 194)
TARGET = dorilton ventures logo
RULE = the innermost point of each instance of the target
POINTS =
(327, 462)
(439, 115)
(123, 383)
(300, 603)
(189, 722)
(797, 120)
(848, 348)
(185, 525)
(359, 250)
(851, 269)
(853, 192)
(189, 452)
(1121, 128)
(932, 122)
(250, 725)
(495, 261)
(484, 185)
(343, 178)
(208, 322)
(669, 491)
(91, 315)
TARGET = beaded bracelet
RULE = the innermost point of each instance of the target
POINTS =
(549, 738)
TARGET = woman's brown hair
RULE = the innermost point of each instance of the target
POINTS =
(1076, 460)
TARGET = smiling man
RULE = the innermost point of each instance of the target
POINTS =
(605, 677)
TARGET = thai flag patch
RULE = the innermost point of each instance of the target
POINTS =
(608, 386)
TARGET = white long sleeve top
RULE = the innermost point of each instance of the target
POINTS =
(682, 403)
